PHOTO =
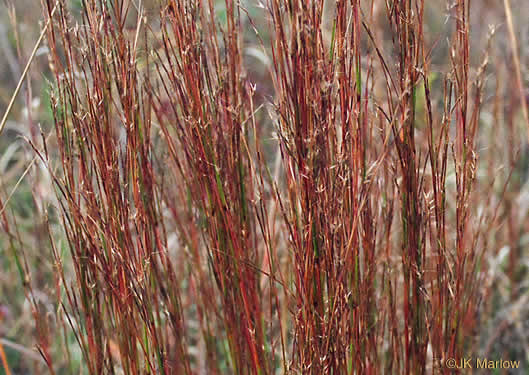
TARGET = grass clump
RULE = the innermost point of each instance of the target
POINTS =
(346, 231)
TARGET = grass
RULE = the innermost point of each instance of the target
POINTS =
(352, 228)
